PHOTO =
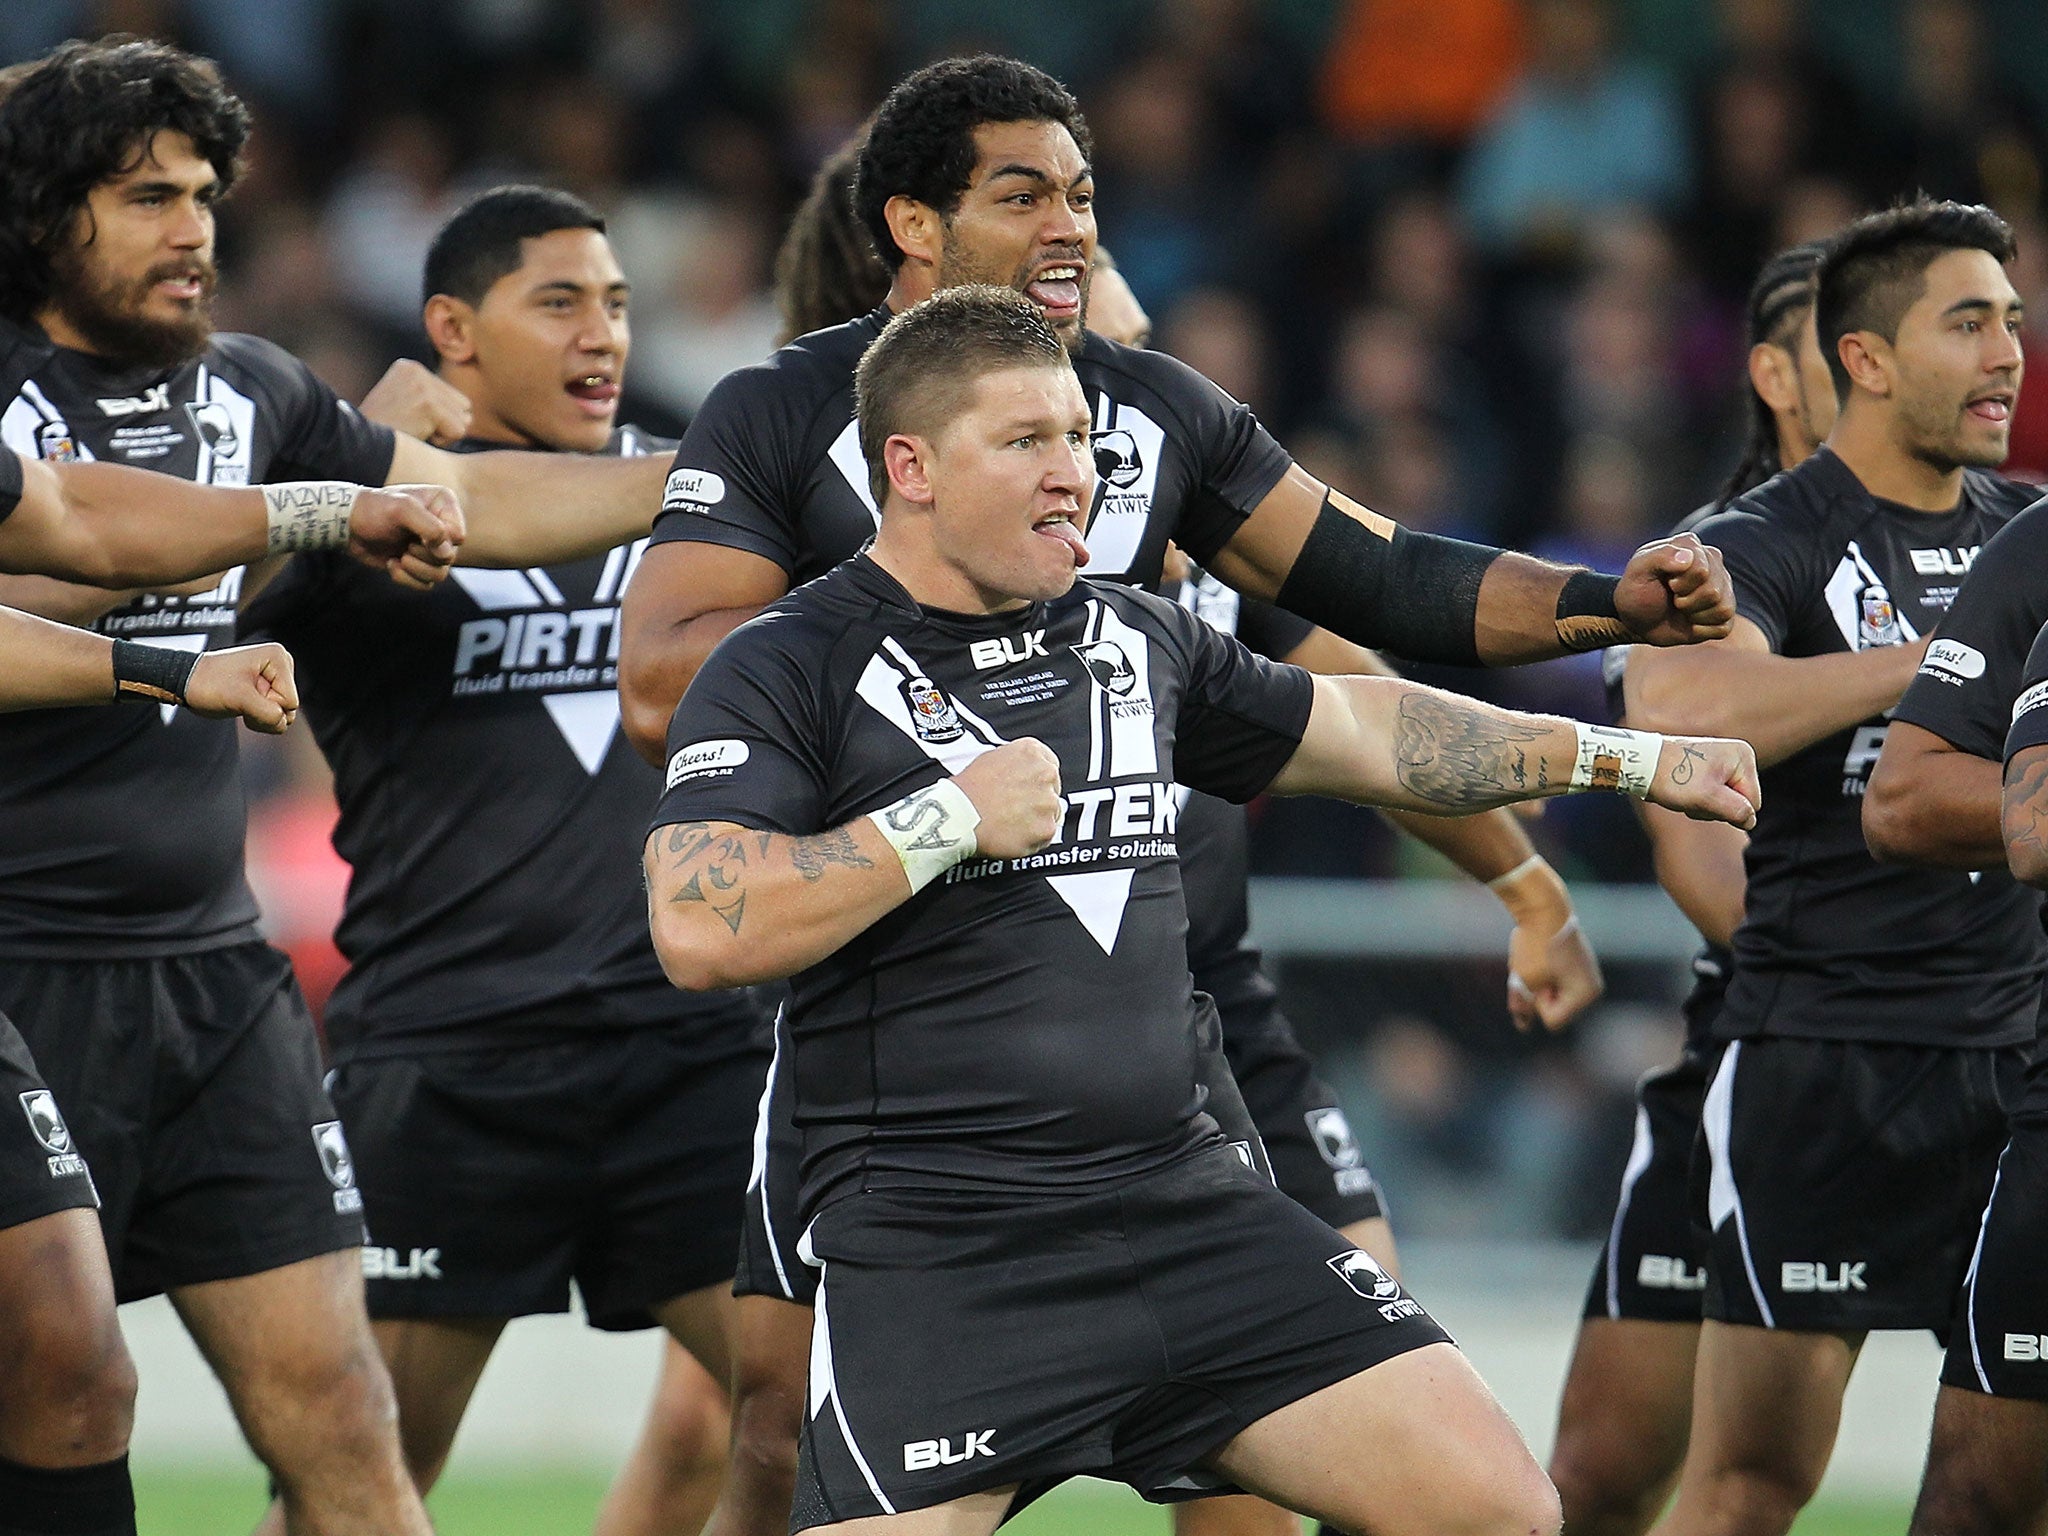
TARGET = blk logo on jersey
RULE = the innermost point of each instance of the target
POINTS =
(47, 1123)
(1007, 651)
(932, 714)
(338, 1165)
(146, 403)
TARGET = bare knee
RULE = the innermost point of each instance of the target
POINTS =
(71, 1393)
(318, 1402)
(766, 1418)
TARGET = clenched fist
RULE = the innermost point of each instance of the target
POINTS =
(1676, 591)
(253, 681)
(413, 398)
(409, 531)
(1016, 792)
(1709, 779)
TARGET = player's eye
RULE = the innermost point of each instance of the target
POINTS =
(1028, 440)
(1077, 439)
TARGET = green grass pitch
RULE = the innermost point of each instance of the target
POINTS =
(190, 1503)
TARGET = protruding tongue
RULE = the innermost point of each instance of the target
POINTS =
(1055, 292)
(1070, 536)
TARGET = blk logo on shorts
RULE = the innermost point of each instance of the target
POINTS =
(923, 1455)
(47, 1122)
(339, 1166)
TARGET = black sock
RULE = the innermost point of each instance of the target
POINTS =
(66, 1501)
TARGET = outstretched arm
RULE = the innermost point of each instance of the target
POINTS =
(1321, 555)
(112, 526)
(1553, 975)
(538, 508)
(1386, 741)
(50, 665)
(2025, 815)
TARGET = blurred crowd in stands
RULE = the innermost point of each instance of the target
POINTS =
(1480, 263)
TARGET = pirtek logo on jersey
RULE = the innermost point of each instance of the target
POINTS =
(923, 1455)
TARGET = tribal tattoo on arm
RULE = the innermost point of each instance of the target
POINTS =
(1464, 756)
(714, 867)
(2025, 809)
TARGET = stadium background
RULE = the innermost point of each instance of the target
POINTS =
(1478, 262)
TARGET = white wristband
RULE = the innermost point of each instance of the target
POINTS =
(309, 514)
(1500, 883)
(1612, 758)
(931, 829)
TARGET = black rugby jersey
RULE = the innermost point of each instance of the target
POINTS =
(1965, 688)
(772, 463)
(1836, 945)
(1215, 845)
(1021, 1025)
(491, 811)
(10, 483)
(121, 830)
(1711, 962)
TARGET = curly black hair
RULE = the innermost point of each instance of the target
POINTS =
(1778, 303)
(1874, 270)
(921, 143)
(827, 272)
(82, 114)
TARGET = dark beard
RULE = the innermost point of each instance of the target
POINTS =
(108, 315)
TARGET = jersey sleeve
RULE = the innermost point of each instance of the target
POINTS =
(1964, 689)
(1242, 716)
(1771, 585)
(319, 435)
(732, 481)
(1270, 631)
(746, 745)
(2030, 710)
(1237, 462)
(10, 483)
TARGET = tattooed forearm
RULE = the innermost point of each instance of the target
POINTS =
(1464, 756)
(810, 855)
(2026, 807)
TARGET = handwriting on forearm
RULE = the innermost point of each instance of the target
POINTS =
(1464, 756)
(715, 867)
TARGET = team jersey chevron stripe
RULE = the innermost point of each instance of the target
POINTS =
(1097, 898)
(846, 457)
(1123, 738)
(1846, 587)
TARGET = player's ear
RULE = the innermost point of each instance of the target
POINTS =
(908, 461)
(916, 228)
(1773, 375)
(451, 327)
(1868, 358)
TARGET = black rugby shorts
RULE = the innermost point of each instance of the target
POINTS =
(962, 1345)
(1844, 1181)
(41, 1171)
(1653, 1265)
(2000, 1342)
(1315, 1157)
(191, 1084)
(493, 1178)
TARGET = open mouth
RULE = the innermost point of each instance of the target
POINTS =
(1057, 290)
(1061, 529)
(597, 393)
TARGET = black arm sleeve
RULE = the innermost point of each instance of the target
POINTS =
(1414, 594)
(10, 483)
(2030, 710)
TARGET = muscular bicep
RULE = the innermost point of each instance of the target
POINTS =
(683, 599)
(1262, 552)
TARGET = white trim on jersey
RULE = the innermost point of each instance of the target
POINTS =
(825, 1387)
(1970, 1278)
(1638, 1161)
(1717, 1120)
(757, 1180)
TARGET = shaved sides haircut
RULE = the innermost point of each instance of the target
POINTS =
(916, 375)
(1875, 269)
(485, 239)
